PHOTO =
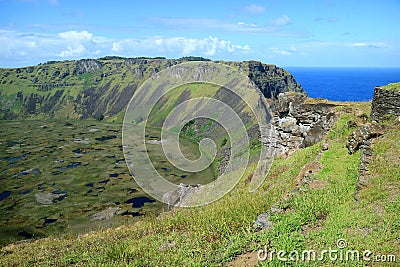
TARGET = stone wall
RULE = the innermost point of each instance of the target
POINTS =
(361, 139)
(385, 102)
(300, 123)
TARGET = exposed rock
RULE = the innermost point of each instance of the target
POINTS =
(174, 198)
(47, 198)
(314, 135)
(385, 102)
(276, 209)
(167, 245)
(271, 79)
(86, 65)
(106, 214)
(298, 123)
(325, 146)
(263, 222)
(287, 124)
(361, 136)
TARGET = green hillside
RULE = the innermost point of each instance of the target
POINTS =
(101, 88)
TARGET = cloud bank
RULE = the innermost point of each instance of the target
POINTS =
(21, 47)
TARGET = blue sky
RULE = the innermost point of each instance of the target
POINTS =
(286, 33)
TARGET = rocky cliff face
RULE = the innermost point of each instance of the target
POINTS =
(91, 88)
(271, 79)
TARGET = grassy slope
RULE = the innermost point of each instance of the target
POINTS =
(216, 234)
(111, 76)
(116, 73)
(392, 86)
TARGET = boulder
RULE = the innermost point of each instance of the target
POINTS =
(106, 214)
(287, 124)
(175, 197)
(314, 135)
(47, 198)
(263, 222)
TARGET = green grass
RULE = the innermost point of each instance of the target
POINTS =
(392, 86)
(219, 233)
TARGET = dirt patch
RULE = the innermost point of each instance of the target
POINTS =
(318, 184)
(308, 170)
(244, 260)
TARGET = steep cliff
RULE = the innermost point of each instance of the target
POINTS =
(101, 88)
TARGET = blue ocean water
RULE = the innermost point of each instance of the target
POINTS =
(343, 84)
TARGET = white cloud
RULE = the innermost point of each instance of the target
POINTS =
(116, 47)
(247, 24)
(272, 29)
(254, 9)
(182, 46)
(281, 21)
(283, 52)
(367, 44)
(203, 23)
(76, 36)
(32, 48)
(72, 52)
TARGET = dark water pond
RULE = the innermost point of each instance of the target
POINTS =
(71, 166)
(105, 138)
(49, 221)
(5, 195)
(132, 190)
(138, 202)
(104, 181)
(12, 159)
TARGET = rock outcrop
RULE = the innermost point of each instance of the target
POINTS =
(47, 198)
(105, 214)
(174, 198)
(386, 102)
(86, 65)
(300, 122)
(271, 79)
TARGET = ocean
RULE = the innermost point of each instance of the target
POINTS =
(343, 84)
